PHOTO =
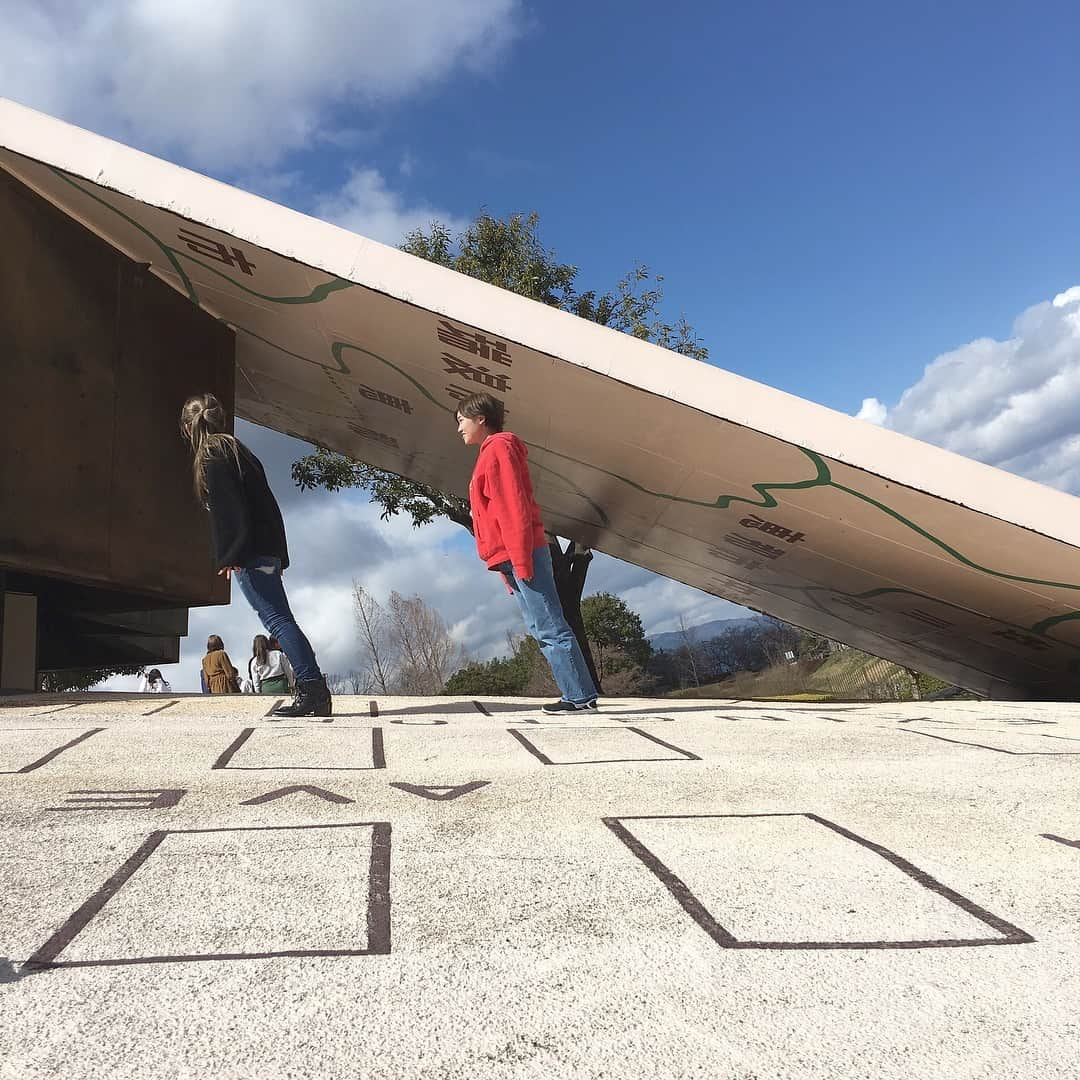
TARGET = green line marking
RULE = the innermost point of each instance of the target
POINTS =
(339, 347)
(1038, 628)
(1042, 627)
(721, 502)
(951, 551)
(823, 477)
(316, 296)
(341, 369)
(193, 296)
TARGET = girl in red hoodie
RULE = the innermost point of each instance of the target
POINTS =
(510, 539)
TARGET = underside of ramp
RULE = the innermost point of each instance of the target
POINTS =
(858, 533)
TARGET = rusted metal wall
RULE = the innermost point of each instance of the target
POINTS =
(96, 357)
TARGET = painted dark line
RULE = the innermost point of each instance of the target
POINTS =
(419, 723)
(373, 708)
(277, 704)
(1011, 935)
(293, 789)
(448, 791)
(924, 879)
(133, 799)
(378, 913)
(161, 708)
(179, 958)
(929, 943)
(378, 751)
(660, 742)
(127, 793)
(277, 828)
(674, 885)
(231, 749)
(63, 937)
(182, 958)
(481, 708)
(304, 768)
(536, 753)
(61, 708)
(1061, 840)
(57, 752)
(997, 749)
(544, 759)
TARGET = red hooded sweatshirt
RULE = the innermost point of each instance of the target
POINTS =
(506, 519)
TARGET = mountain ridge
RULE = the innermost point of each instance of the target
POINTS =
(673, 639)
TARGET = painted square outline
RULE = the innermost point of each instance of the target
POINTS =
(378, 757)
(378, 910)
(51, 754)
(998, 749)
(1011, 935)
(545, 760)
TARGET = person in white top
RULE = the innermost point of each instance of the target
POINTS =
(269, 669)
(153, 682)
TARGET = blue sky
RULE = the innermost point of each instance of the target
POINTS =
(871, 206)
(835, 193)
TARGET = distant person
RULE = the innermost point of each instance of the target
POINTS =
(269, 670)
(510, 539)
(249, 540)
(221, 677)
(153, 682)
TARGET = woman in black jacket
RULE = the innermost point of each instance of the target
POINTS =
(249, 540)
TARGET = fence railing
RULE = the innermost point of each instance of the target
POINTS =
(878, 680)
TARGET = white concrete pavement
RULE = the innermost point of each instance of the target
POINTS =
(442, 888)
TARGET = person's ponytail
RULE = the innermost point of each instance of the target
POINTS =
(204, 424)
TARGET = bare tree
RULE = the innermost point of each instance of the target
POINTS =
(360, 682)
(427, 653)
(691, 648)
(376, 642)
(349, 682)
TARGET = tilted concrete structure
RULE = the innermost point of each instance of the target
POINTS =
(855, 532)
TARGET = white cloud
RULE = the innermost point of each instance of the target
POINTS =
(1012, 403)
(366, 206)
(872, 410)
(228, 82)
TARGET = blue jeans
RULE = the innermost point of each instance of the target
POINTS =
(544, 619)
(260, 582)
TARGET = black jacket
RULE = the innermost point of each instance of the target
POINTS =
(245, 520)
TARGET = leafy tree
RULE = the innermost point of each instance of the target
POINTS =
(500, 677)
(505, 676)
(812, 646)
(508, 253)
(615, 631)
(58, 682)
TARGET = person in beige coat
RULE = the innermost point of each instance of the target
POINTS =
(221, 676)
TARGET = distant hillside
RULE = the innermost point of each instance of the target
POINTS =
(702, 632)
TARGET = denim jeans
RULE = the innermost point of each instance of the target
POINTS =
(544, 619)
(260, 582)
